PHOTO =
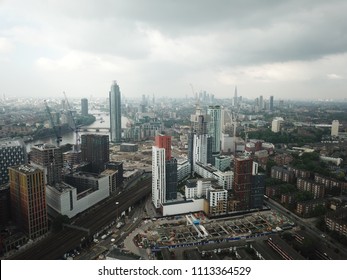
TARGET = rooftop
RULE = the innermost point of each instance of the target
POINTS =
(10, 143)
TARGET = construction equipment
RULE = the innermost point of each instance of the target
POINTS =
(56, 127)
(74, 127)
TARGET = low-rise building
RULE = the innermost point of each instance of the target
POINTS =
(183, 169)
(129, 147)
(283, 174)
(288, 198)
(337, 221)
(329, 183)
(305, 208)
(316, 189)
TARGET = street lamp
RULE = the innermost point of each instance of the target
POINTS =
(117, 203)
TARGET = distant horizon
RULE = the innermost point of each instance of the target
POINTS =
(94, 98)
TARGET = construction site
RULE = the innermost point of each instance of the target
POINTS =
(197, 229)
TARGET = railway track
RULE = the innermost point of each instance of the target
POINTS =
(57, 244)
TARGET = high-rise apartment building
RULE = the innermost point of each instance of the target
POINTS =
(12, 153)
(28, 199)
(164, 141)
(158, 176)
(248, 185)
(84, 106)
(115, 113)
(215, 127)
(335, 128)
(276, 124)
(49, 158)
(199, 141)
(202, 149)
(164, 171)
(171, 179)
(95, 149)
(243, 181)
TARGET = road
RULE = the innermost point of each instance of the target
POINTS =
(97, 219)
(308, 226)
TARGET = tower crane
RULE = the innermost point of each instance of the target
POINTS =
(56, 128)
(74, 127)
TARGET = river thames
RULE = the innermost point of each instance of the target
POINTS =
(102, 121)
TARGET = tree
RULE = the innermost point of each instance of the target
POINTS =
(319, 210)
(270, 163)
(304, 196)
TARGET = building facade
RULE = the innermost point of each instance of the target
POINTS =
(115, 113)
(158, 176)
(49, 158)
(12, 153)
(28, 200)
(171, 179)
(243, 181)
(84, 106)
(164, 171)
(82, 192)
(335, 128)
(215, 127)
(95, 149)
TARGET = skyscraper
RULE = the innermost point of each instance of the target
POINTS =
(84, 106)
(164, 171)
(261, 102)
(49, 158)
(115, 113)
(235, 101)
(271, 103)
(12, 152)
(95, 149)
(164, 141)
(158, 176)
(171, 179)
(215, 127)
(200, 142)
(202, 149)
(28, 199)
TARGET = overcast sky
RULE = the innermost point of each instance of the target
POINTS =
(289, 49)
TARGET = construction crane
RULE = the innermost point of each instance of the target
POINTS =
(74, 127)
(56, 127)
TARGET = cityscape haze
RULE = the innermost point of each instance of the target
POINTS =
(205, 131)
(290, 49)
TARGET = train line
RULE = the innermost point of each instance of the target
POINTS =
(57, 244)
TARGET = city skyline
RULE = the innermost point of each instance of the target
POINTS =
(285, 49)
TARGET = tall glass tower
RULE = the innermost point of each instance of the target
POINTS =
(115, 113)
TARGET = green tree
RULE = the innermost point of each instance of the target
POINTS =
(319, 210)
(304, 196)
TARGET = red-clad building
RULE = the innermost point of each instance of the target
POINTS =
(164, 141)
